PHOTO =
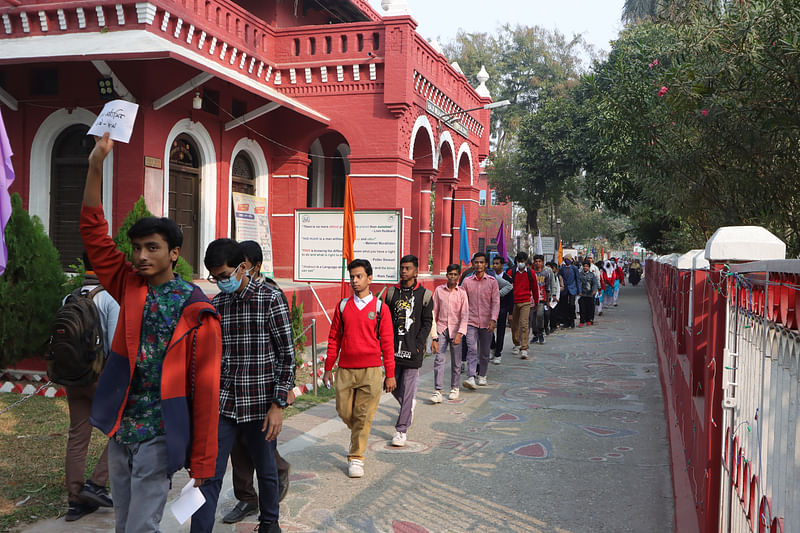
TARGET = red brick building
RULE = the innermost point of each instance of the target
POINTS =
(276, 98)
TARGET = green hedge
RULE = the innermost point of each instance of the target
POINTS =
(31, 288)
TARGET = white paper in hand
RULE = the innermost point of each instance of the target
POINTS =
(116, 118)
(190, 500)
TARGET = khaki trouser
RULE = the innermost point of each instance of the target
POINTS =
(358, 392)
(79, 402)
(519, 324)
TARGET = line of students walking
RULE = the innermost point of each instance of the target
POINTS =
(188, 381)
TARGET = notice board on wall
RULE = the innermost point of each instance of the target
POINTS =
(318, 243)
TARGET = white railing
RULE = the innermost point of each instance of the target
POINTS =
(761, 399)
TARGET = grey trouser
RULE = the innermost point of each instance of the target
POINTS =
(404, 393)
(479, 342)
(537, 318)
(139, 483)
(446, 342)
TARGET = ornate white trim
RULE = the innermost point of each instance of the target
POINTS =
(41, 164)
(423, 123)
(464, 148)
(260, 166)
(208, 182)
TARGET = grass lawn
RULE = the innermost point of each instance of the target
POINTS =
(33, 440)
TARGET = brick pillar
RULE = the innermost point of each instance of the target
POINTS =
(425, 223)
(289, 188)
(442, 225)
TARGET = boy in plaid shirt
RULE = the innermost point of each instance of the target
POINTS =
(257, 375)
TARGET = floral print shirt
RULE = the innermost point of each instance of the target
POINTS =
(142, 419)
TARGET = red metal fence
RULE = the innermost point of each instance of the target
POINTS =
(728, 355)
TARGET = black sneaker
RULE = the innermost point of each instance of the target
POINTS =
(95, 495)
(268, 527)
(78, 510)
(541, 339)
(239, 511)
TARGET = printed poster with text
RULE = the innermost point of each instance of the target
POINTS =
(318, 243)
(252, 224)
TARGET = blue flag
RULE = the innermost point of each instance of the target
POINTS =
(463, 252)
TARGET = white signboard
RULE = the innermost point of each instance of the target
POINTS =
(252, 224)
(318, 243)
(116, 118)
(548, 246)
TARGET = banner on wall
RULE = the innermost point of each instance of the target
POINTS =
(252, 224)
(318, 243)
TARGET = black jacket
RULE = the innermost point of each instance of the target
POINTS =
(412, 318)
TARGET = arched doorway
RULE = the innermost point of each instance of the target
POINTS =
(184, 194)
(67, 178)
(243, 180)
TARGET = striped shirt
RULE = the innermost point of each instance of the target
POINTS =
(257, 351)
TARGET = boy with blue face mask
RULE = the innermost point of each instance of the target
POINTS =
(257, 375)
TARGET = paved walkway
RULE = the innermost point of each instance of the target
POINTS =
(572, 440)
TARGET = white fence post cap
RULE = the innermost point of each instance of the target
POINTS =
(744, 243)
(686, 261)
(699, 261)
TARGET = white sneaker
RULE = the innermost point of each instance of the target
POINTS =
(437, 397)
(355, 468)
(523, 354)
(453, 394)
(497, 360)
(399, 439)
(515, 351)
(481, 380)
(470, 383)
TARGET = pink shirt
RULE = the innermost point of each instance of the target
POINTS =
(451, 310)
(483, 296)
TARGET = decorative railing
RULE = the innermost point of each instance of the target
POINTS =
(729, 352)
(761, 397)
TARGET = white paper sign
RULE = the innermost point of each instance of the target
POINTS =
(190, 500)
(117, 118)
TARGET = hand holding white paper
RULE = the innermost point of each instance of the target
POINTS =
(116, 118)
(190, 500)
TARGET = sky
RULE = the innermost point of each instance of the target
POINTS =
(597, 20)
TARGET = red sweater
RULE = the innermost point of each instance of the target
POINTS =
(353, 338)
(523, 292)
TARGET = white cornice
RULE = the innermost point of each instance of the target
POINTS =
(119, 44)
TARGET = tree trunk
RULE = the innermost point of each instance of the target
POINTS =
(531, 221)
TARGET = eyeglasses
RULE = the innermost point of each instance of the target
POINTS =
(217, 279)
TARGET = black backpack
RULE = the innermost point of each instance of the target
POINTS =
(77, 351)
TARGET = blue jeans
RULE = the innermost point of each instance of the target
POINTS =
(262, 452)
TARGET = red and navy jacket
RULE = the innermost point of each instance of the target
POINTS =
(191, 370)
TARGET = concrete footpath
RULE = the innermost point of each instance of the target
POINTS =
(572, 440)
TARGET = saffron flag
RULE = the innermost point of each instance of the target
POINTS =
(463, 252)
(501, 242)
(6, 179)
(560, 253)
(348, 232)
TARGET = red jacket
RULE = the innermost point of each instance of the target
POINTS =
(190, 410)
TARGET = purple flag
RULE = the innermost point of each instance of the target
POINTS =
(6, 179)
(501, 242)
